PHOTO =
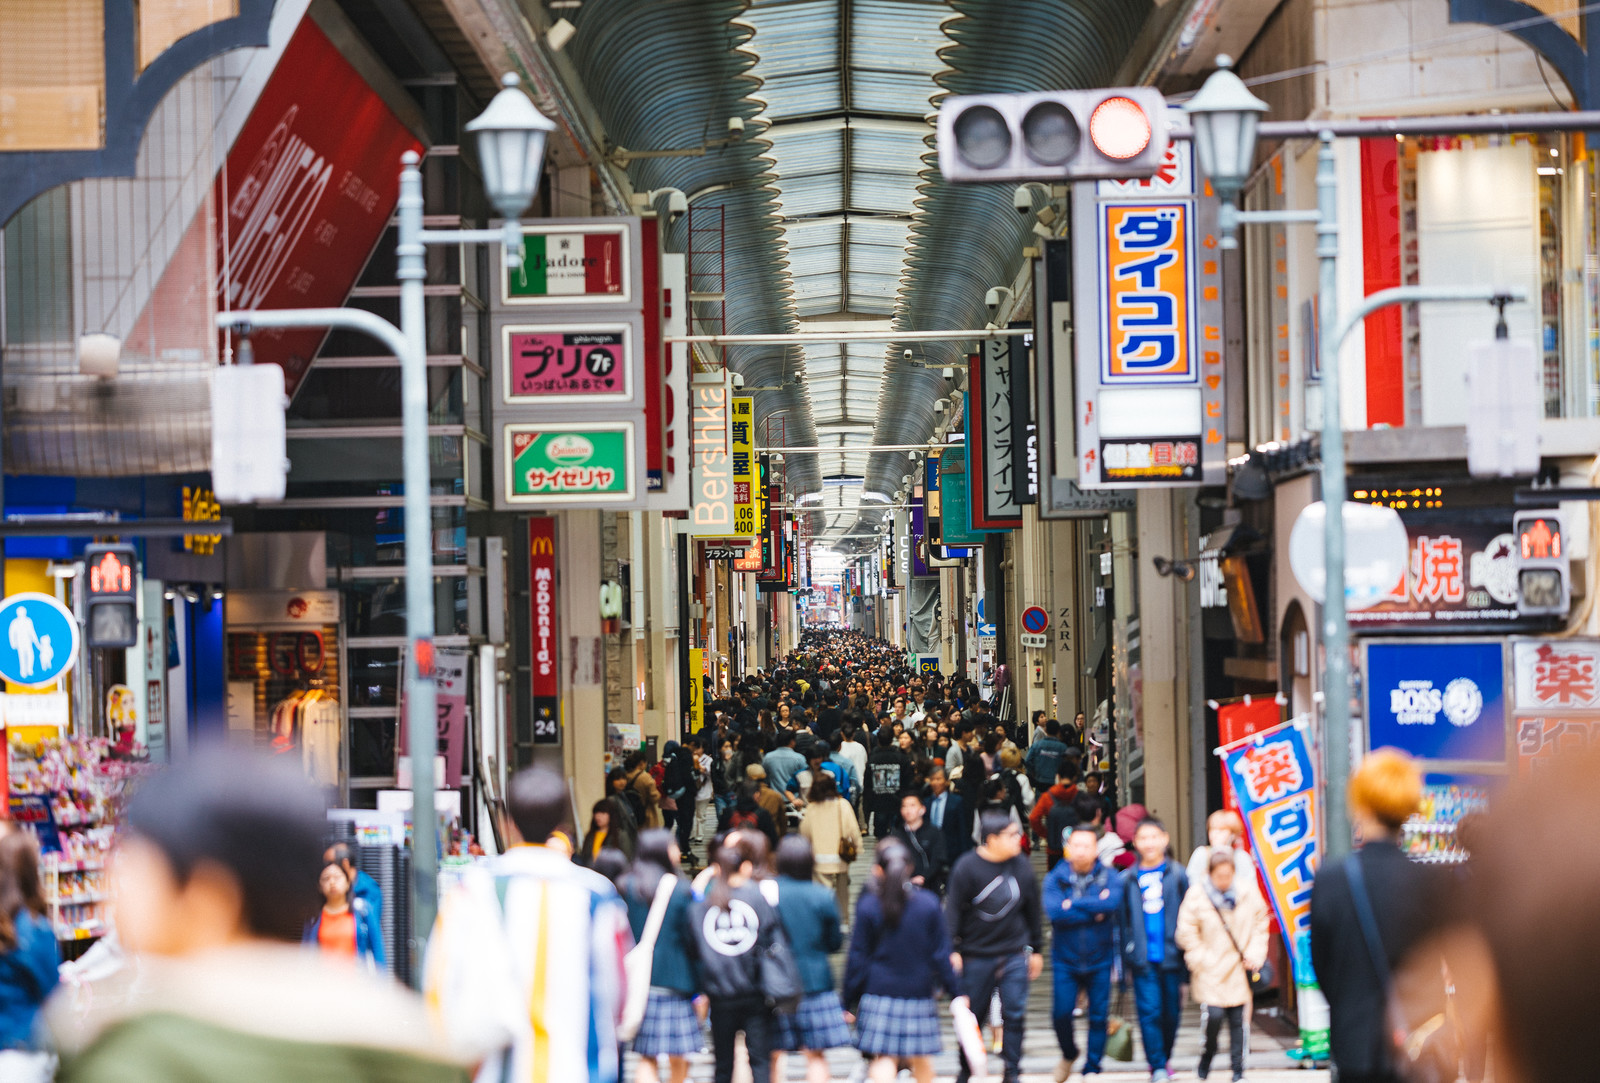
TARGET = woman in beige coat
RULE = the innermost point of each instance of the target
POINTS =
(829, 823)
(1222, 929)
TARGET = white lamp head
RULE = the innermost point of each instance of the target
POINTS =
(510, 136)
(1224, 115)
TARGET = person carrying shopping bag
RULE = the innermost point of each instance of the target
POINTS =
(1222, 929)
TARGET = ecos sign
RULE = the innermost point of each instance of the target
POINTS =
(1438, 701)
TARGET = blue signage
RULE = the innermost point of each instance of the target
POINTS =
(984, 627)
(38, 639)
(1438, 701)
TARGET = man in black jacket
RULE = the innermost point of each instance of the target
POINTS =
(888, 777)
(993, 911)
(946, 813)
(926, 843)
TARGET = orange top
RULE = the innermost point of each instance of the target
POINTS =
(337, 933)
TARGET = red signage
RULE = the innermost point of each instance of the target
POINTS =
(306, 193)
(657, 407)
(546, 690)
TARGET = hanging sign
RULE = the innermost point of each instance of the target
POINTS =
(697, 689)
(711, 478)
(1556, 675)
(576, 464)
(544, 655)
(996, 447)
(672, 493)
(571, 363)
(741, 464)
(1148, 334)
(450, 673)
(574, 261)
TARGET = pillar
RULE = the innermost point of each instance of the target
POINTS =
(583, 698)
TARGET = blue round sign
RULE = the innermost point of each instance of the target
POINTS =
(38, 639)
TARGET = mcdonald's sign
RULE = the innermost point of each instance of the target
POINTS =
(545, 690)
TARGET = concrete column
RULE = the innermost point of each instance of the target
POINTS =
(661, 709)
(755, 644)
(583, 696)
(1031, 571)
(571, 196)
(1163, 643)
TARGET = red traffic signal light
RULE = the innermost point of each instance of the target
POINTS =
(1039, 136)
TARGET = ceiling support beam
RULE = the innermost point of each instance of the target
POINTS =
(803, 337)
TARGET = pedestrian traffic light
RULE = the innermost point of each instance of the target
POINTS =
(112, 579)
(1543, 586)
(1053, 135)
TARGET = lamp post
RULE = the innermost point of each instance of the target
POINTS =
(510, 138)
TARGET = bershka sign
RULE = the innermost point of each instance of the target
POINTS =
(1441, 701)
(711, 477)
(543, 657)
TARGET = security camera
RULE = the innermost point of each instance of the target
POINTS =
(899, 495)
(939, 407)
(906, 480)
(1022, 200)
(906, 353)
(677, 206)
(948, 372)
(736, 124)
(738, 381)
(991, 299)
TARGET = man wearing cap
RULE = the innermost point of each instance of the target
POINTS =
(768, 798)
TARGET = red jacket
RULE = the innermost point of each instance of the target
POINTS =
(1041, 810)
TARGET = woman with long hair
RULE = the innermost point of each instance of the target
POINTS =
(609, 829)
(670, 1028)
(899, 959)
(830, 827)
(345, 926)
(811, 921)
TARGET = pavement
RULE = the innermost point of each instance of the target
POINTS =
(1268, 1062)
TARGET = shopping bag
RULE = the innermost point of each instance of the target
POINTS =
(1119, 1034)
(970, 1037)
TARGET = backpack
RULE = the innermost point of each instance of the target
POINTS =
(738, 820)
(635, 804)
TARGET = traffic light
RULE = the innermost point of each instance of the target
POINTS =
(113, 583)
(1543, 586)
(1053, 135)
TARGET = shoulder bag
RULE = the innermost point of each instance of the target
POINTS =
(1119, 1032)
(1262, 977)
(780, 974)
(637, 964)
(849, 849)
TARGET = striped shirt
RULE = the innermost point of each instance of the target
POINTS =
(526, 960)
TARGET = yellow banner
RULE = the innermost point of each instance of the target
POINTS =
(742, 460)
(697, 689)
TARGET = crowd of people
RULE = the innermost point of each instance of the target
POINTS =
(554, 960)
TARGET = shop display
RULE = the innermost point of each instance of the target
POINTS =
(285, 677)
(1430, 835)
(69, 793)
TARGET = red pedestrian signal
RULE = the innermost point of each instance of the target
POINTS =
(1537, 540)
(1543, 576)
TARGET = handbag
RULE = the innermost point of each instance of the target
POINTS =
(849, 848)
(1262, 977)
(779, 974)
(1119, 1034)
(636, 965)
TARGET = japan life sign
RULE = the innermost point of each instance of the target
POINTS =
(996, 447)
(567, 363)
(585, 464)
(1274, 780)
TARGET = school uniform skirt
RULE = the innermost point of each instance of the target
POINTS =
(670, 1027)
(897, 1026)
(817, 1024)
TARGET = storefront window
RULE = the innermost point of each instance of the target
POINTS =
(377, 607)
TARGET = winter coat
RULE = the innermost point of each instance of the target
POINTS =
(1217, 976)
(369, 935)
(1085, 932)
(1056, 796)
(649, 796)
(825, 824)
(1135, 945)
(28, 974)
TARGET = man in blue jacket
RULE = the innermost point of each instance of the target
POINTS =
(1082, 898)
(1152, 892)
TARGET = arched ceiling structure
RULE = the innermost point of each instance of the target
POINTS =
(834, 212)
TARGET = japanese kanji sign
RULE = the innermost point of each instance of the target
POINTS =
(995, 446)
(575, 364)
(1274, 779)
(1462, 572)
(1541, 740)
(741, 463)
(575, 262)
(1557, 675)
(577, 464)
(1437, 700)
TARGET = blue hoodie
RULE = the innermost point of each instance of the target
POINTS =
(369, 934)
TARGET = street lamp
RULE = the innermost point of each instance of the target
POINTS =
(1224, 115)
(511, 136)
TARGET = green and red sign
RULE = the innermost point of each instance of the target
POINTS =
(568, 263)
(573, 464)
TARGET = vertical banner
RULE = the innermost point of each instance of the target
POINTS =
(995, 445)
(655, 423)
(1274, 780)
(450, 671)
(697, 689)
(741, 462)
(711, 515)
(1235, 723)
(546, 689)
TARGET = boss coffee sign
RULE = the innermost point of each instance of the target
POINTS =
(1438, 701)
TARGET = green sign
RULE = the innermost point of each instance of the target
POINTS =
(955, 527)
(573, 465)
